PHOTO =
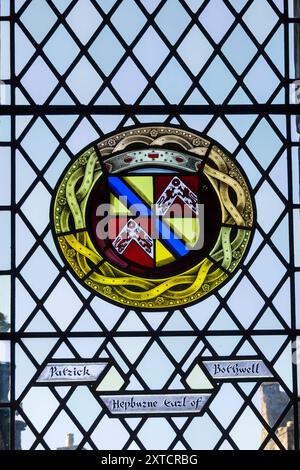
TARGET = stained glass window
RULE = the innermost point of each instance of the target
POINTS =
(75, 74)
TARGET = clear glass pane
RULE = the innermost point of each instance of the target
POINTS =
(5, 303)
(5, 8)
(5, 50)
(296, 235)
(5, 131)
(294, 39)
(128, 82)
(294, 9)
(296, 174)
(5, 240)
(5, 177)
(5, 428)
(4, 370)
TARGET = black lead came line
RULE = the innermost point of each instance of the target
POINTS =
(219, 109)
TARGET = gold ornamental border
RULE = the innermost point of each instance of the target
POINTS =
(100, 276)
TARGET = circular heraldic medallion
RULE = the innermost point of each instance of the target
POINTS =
(153, 217)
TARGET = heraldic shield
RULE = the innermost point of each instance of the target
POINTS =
(153, 217)
(154, 220)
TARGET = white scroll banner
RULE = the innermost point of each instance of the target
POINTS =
(155, 404)
(66, 372)
(238, 369)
